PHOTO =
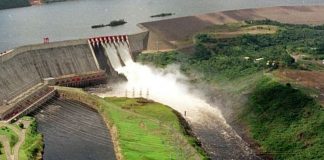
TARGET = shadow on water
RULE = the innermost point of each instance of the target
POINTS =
(73, 131)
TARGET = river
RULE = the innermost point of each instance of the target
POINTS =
(73, 19)
(73, 131)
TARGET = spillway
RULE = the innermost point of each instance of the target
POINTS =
(111, 52)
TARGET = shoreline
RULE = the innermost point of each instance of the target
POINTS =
(172, 33)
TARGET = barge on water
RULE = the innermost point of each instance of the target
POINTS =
(162, 15)
(111, 24)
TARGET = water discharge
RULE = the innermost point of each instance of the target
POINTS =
(164, 86)
(111, 53)
(168, 86)
(124, 52)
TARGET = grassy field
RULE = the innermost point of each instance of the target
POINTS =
(145, 129)
(33, 145)
(149, 130)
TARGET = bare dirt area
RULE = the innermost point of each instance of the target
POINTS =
(254, 30)
(183, 28)
(309, 79)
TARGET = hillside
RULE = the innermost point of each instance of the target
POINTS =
(248, 66)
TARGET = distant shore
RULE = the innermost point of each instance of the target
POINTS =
(173, 33)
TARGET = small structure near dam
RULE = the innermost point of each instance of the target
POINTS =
(28, 72)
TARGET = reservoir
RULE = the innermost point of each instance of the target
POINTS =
(73, 19)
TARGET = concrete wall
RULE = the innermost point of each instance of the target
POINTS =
(26, 66)
(138, 42)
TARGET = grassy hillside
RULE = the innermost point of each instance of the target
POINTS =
(224, 59)
(286, 122)
(144, 129)
(6, 4)
(149, 130)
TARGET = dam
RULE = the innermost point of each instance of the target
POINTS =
(71, 129)
(28, 72)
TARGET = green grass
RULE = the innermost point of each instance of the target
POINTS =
(287, 123)
(149, 130)
(10, 134)
(33, 144)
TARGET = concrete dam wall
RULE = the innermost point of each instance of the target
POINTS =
(28, 70)
(26, 66)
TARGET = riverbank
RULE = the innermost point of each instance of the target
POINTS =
(141, 128)
(177, 33)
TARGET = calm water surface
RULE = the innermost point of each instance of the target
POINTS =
(73, 131)
(73, 19)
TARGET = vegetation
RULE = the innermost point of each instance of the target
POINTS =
(149, 130)
(12, 136)
(33, 145)
(6, 4)
(286, 122)
(2, 152)
(145, 129)
(223, 59)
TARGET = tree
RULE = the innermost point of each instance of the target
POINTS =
(201, 52)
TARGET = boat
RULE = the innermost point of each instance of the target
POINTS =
(111, 24)
(98, 26)
(162, 15)
(116, 23)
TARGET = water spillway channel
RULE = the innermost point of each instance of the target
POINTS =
(168, 86)
(73, 131)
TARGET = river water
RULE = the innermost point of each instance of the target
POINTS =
(73, 19)
(73, 131)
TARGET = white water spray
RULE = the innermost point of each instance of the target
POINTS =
(163, 86)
